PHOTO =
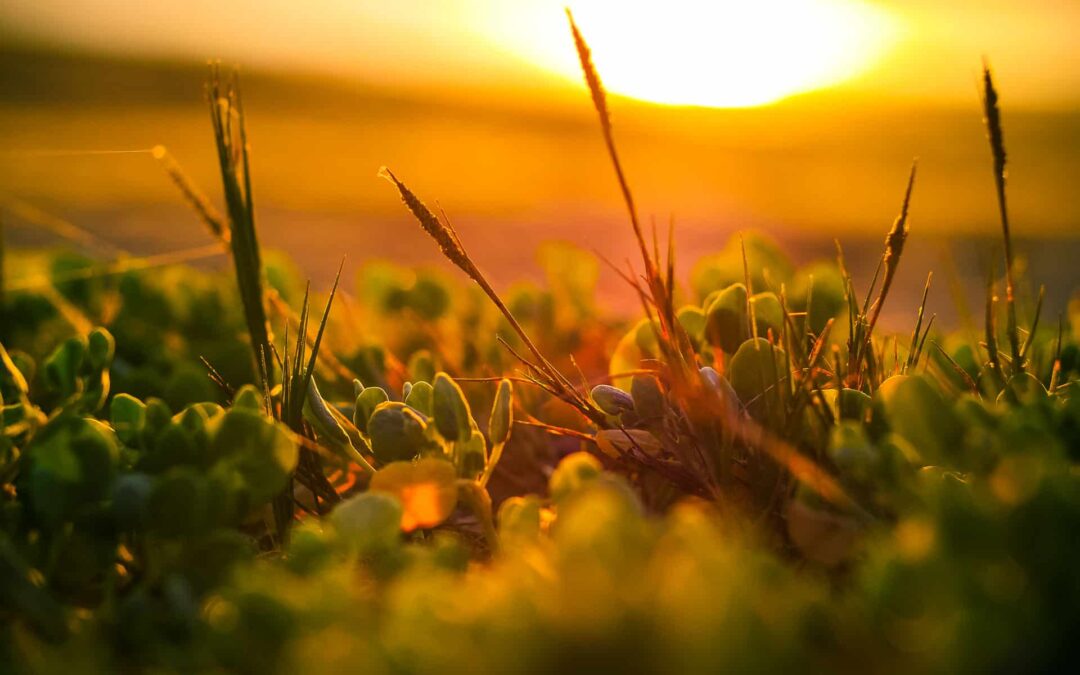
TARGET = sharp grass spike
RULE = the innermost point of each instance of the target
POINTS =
(232, 148)
(992, 117)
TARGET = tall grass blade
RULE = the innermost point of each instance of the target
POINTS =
(894, 248)
(913, 351)
(61, 227)
(992, 353)
(1034, 323)
(860, 344)
(992, 115)
(310, 370)
(964, 375)
(672, 337)
(446, 237)
(225, 107)
(599, 98)
(210, 216)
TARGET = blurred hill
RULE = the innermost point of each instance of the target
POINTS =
(513, 173)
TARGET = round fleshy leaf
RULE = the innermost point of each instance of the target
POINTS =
(451, 411)
(421, 398)
(471, 456)
(427, 490)
(758, 375)
(519, 518)
(768, 314)
(612, 400)
(501, 421)
(766, 263)
(919, 413)
(574, 471)
(719, 385)
(128, 417)
(100, 349)
(249, 398)
(637, 344)
(71, 461)
(256, 448)
(396, 432)
(693, 321)
(726, 322)
(158, 415)
(369, 521)
(853, 453)
(63, 366)
(422, 366)
(822, 285)
(369, 399)
(177, 505)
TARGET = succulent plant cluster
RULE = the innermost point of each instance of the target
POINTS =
(753, 481)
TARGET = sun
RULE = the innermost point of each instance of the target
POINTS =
(718, 53)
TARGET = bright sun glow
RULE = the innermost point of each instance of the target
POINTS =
(719, 53)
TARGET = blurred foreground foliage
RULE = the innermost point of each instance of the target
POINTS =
(137, 529)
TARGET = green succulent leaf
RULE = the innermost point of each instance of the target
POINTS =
(470, 456)
(370, 521)
(572, 473)
(768, 314)
(248, 398)
(100, 349)
(422, 366)
(128, 416)
(422, 398)
(726, 319)
(451, 411)
(397, 432)
(916, 411)
(759, 377)
(693, 320)
(366, 402)
(258, 449)
(63, 366)
(519, 519)
(501, 421)
(72, 461)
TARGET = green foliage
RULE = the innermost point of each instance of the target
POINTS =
(450, 409)
(370, 521)
(397, 432)
(149, 520)
(750, 493)
(367, 401)
(920, 414)
(728, 323)
(501, 420)
(767, 265)
(573, 472)
(758, 374)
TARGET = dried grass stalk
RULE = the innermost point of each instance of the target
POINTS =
(992, 115)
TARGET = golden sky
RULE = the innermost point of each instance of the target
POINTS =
(719, 52)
